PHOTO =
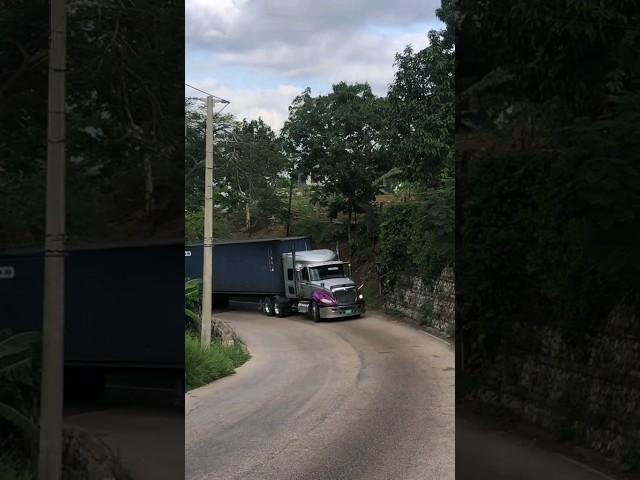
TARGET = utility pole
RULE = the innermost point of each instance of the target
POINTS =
(205, 333)
(50, 446)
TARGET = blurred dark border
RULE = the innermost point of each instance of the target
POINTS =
(124, 300)
(547, 251)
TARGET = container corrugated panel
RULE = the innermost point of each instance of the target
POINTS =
(124, 305)
(246, 267)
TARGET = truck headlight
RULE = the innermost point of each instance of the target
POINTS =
(327, 301)
(361, 297)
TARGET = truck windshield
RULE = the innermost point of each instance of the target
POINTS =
(326, 271)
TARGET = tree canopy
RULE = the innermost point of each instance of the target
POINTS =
(422, 105)
(338, 139)
(122, 149)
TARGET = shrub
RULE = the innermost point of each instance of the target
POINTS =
(419, 237)
(19, 391)
(204, 364)
(192, 304)
(15, 469)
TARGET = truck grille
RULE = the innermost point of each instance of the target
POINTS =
(346, 296)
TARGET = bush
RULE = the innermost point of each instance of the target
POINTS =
(549, 236)
(19, 392)
(204, 364)
(12, 468)
(192, 304)
(419, 237)
(305, 221)
(224, 225)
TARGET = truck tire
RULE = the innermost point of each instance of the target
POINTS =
(315, 311)
(267, 306)
(279, 309)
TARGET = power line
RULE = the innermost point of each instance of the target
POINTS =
(221, 100)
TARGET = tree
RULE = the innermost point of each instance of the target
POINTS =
(251, 173)
(568, 52)
(422, 105)
(248, 173)
(337, 139)
(121, 106)
(195, 120)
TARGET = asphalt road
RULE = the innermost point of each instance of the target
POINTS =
(367, 398)
(483, 451)
(140, 424)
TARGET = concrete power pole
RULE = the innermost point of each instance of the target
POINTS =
(50, 454)
(205, 334)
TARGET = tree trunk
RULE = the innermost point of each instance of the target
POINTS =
(349, 232)
(247, 211)
(289, 209)
(149, 203)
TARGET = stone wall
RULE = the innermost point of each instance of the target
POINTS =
(583, 384)
(431, 305)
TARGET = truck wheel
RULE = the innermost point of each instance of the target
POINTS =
(278, 309)
(267, 306)
(315, 312)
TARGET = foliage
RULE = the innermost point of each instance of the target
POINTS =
(250, 174)
(419, 236)
(19, 382)
(194, 158)
(305, 220)
(571, 52)
(123, 160)
(248, 168)
(422, 106)
(408, 191)
(194, 225)
(548, 225)
(337, 138)
(12, 468)
(193, 304)
(225, 225)
(204, 364)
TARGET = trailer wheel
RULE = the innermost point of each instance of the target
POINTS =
(267, 306)
(315, 312)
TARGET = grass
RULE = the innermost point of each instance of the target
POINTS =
(205, 364)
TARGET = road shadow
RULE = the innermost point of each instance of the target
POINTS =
(249, 306)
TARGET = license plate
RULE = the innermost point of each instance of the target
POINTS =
(348, 311)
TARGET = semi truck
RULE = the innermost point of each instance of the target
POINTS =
(283, 275)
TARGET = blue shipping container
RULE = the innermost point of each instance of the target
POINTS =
(246, 267)
(124, 305)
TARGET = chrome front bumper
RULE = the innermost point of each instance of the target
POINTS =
(341, 311)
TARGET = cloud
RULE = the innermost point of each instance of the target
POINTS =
(358, 58)
(265, 52)
(270, 104)
(240, 25)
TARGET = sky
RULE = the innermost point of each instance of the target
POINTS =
(260, 54)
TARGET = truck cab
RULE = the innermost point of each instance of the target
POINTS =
(318, 283)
